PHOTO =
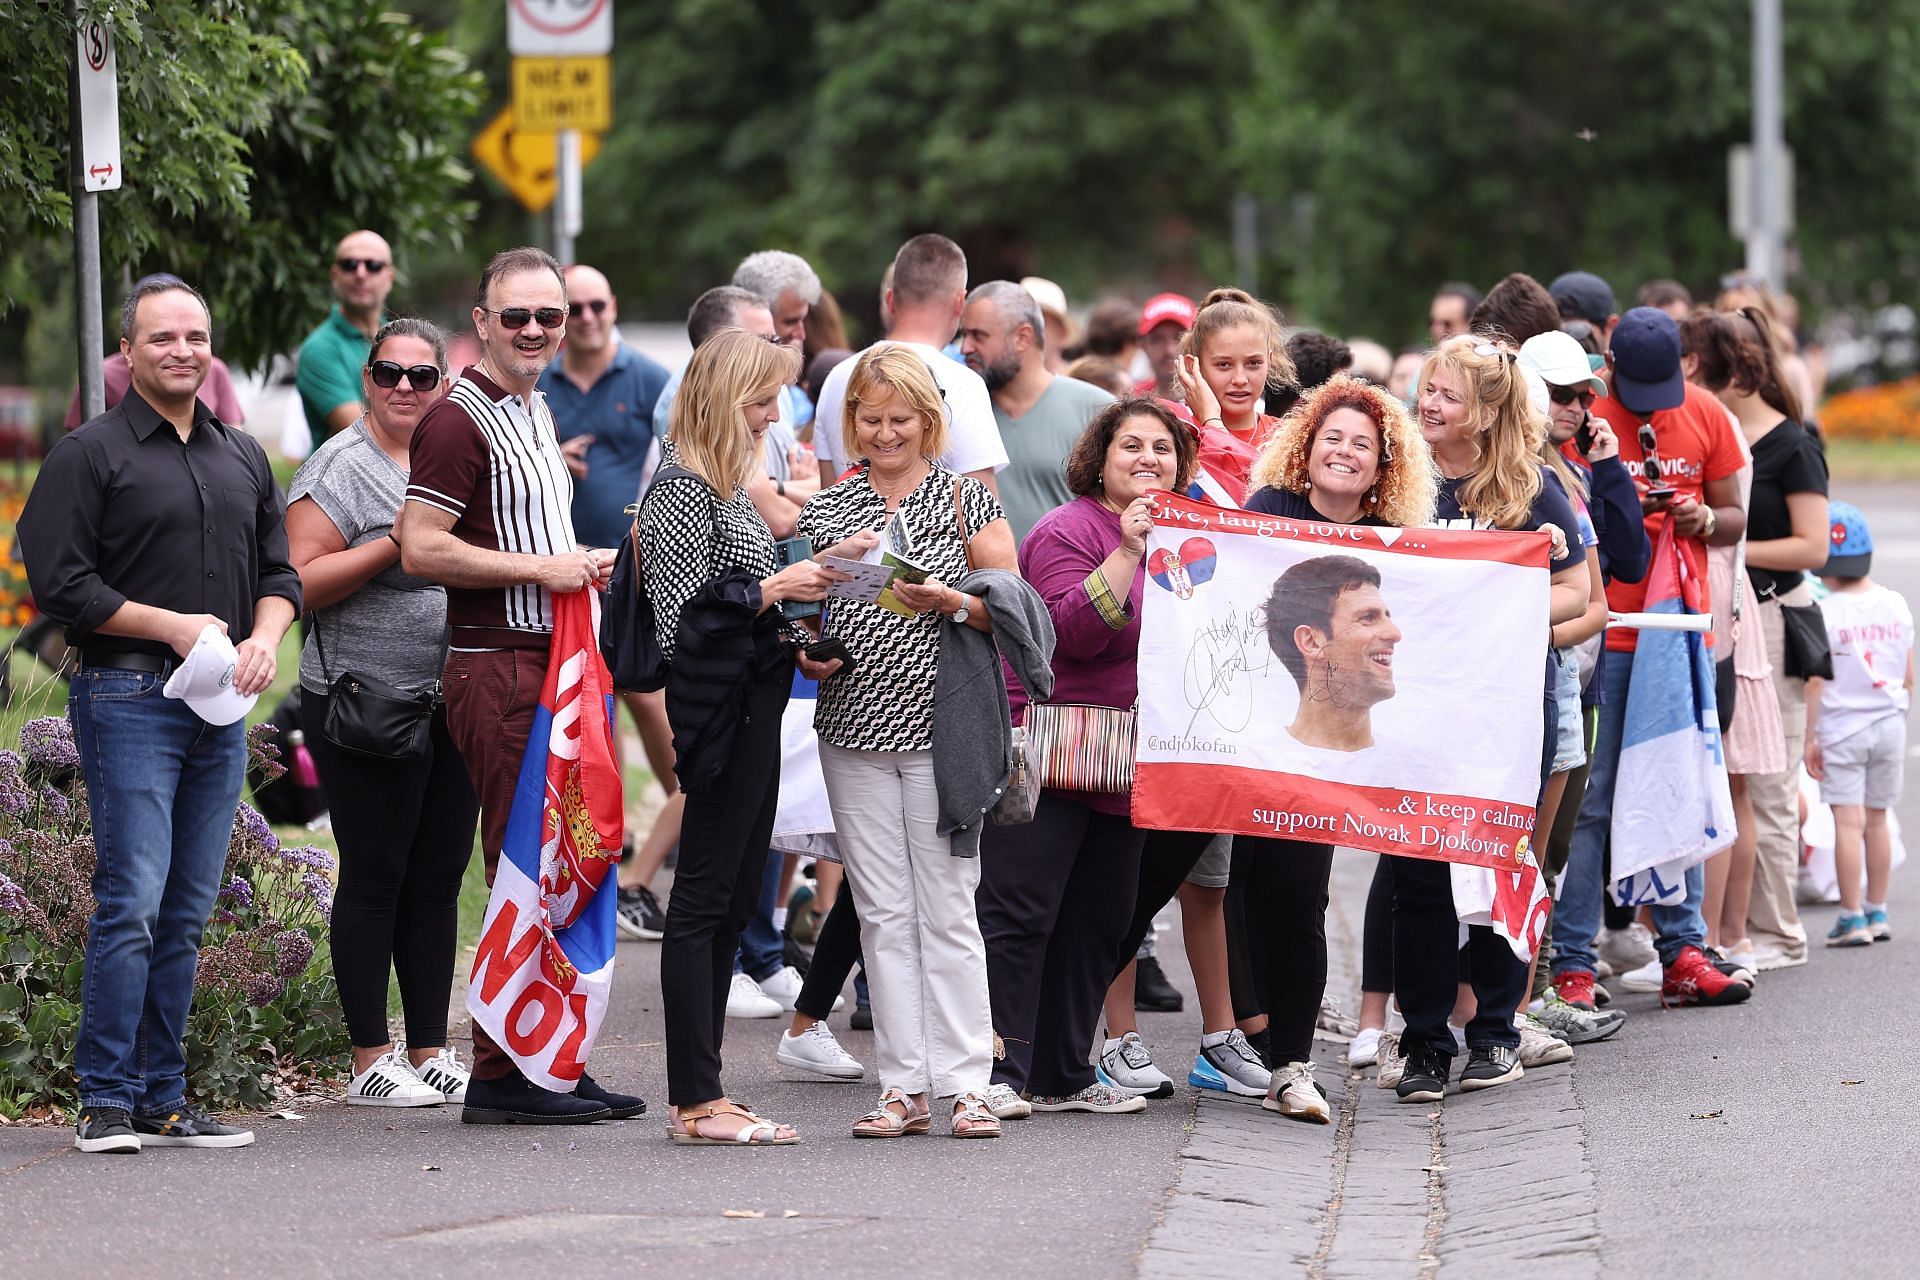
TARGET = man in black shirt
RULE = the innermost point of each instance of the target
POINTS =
(148, 525)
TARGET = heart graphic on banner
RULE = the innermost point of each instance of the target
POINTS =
(1199, 557)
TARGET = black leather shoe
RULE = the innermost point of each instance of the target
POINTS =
(516, 1100)
(1152, 993)
(623, 1105)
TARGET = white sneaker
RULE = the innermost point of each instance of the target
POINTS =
(784, 986)
(1393, 1063)
(1365, 1049)
(745, 999)
(1648, 977)
(392, 1082)
(1628, 948)
(1229, 1065)
(816, 1052)
(444, 1072)
(1538, 1046)
(1767, 959)
(1333, 1023)
(1006, 1104)
(1296, 1095)
(1128, 1066)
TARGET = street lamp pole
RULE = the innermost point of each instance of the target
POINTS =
(1766, 235)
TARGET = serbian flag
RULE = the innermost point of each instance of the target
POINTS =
(1672, 808)
(544, 964)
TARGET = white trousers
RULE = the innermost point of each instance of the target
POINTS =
(926, 964)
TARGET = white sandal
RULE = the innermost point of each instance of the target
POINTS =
(884, 1122)
(971, 1110)
(683, 1129)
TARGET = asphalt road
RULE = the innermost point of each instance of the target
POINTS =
(1802, 1164)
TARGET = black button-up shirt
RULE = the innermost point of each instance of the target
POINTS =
(124, 510)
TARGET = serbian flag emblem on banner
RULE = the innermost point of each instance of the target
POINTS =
(544, 964)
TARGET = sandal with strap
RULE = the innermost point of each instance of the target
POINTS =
(884, 1122)
(971, 1110)
(760, 1132)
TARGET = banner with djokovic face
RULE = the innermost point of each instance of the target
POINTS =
(1372, 687)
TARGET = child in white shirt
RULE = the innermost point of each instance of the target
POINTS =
(1857, 724)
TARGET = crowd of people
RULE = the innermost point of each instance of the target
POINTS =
(1004, 451)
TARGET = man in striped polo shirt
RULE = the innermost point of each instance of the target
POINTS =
(487, 515)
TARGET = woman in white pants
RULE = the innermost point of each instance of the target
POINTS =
(926, 964)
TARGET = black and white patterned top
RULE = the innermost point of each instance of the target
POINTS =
(887, 703)
(687, 538)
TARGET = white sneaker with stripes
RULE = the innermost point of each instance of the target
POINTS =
(392, 1082)
(445, 1072)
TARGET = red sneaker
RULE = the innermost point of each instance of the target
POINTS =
(1693, 979)
(1576, 988)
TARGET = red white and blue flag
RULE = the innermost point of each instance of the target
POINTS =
(544, 965)
(1672, 807)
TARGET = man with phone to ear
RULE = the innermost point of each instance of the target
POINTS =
(1678, 443)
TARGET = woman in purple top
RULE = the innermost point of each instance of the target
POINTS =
(1056, 894)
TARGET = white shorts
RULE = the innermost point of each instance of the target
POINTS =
(1866, 768)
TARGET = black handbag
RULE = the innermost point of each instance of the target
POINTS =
(368, 717)
(1725, 687)
(629, 635)
(1807, 655)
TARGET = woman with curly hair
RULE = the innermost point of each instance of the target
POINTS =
(1349, 453)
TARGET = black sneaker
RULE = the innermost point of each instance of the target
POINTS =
(1152, 993)
(1261, 1042)
(639, 915)
(623, 1105)
(1489, 1065)
(186, 1127)
(1426, 1075)
(514, 1099)
(862, 1019)
(106, 1130)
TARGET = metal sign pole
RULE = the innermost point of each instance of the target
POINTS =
(91, 339)
(566, 206)
(1766, 234)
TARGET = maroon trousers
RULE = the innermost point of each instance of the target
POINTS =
(491, 697)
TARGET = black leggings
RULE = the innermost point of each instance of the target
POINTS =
(405, 832)
(836, 950)
(1282, 888)
(1376, 931)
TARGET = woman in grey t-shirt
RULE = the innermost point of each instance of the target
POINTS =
(404, 827)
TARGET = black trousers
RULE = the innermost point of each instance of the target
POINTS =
(716, 889)
(1282, 885)
(405, 832)
(1428, 968)
(1166, 859)
(1055, 901)
(835, 952)
(1376, 931)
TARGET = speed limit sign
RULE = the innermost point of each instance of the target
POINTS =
(559, 28)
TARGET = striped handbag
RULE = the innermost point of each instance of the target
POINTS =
(1074, 746)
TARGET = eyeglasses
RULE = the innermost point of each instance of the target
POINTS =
(1650, 446)
(372, 266)
(1567, 395)
(598, 306)
(516, 318)
(386, 375)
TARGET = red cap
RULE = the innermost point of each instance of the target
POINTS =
(1165, 307)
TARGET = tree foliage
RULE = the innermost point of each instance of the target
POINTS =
(253, 134)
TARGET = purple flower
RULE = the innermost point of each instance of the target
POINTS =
(54, 801)
(48, 741)
(13, 899)
(292, 949)
(253, 832)
(317, 888)
(313, 857)
(15, 798)
(263, 988)
(238, 892)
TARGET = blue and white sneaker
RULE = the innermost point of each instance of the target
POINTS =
(1126, 1064)
(1850, 931)
(1877, 923)
(1227, 1064)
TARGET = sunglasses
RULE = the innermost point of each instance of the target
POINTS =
(372, 266)
(598, 306)
(1650, 446)
(1567, 395)
(515, 318)
(386, 375)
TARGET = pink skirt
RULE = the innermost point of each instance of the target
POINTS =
(1755, 741)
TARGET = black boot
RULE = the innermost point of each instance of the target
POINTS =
(514, 1099)
(623, 1105)
(1152, 993)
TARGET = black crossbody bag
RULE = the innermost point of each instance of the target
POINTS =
(371, 718)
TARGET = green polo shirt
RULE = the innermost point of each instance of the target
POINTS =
(329, 375)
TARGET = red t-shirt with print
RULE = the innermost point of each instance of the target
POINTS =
(1696, 445)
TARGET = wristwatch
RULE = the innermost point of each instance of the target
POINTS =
(1712, 521)
(961, 614)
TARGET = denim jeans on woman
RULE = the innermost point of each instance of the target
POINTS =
(162, 784)
(1577, 908)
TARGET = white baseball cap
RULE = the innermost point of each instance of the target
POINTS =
(1560, 361)
(205, 680)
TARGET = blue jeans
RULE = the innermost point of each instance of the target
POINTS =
(1577, 908)
(163, 785)
(763, 952)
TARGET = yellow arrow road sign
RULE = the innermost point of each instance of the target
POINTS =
(526, 163)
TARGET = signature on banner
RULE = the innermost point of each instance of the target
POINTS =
(1228, 653)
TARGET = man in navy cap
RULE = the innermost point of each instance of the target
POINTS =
(1679, 445)
(1585, 299)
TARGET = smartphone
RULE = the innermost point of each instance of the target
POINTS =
(1583, 435)
(1663, 494)
(788, 551)
(829, 649)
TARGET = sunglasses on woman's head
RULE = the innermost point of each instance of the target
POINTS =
(1567, 395)
(513, 319)
(386, 375)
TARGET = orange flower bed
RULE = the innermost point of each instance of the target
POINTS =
(1885, 411)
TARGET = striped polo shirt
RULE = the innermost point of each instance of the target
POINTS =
(481, 458)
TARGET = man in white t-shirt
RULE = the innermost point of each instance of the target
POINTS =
(924, 303)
